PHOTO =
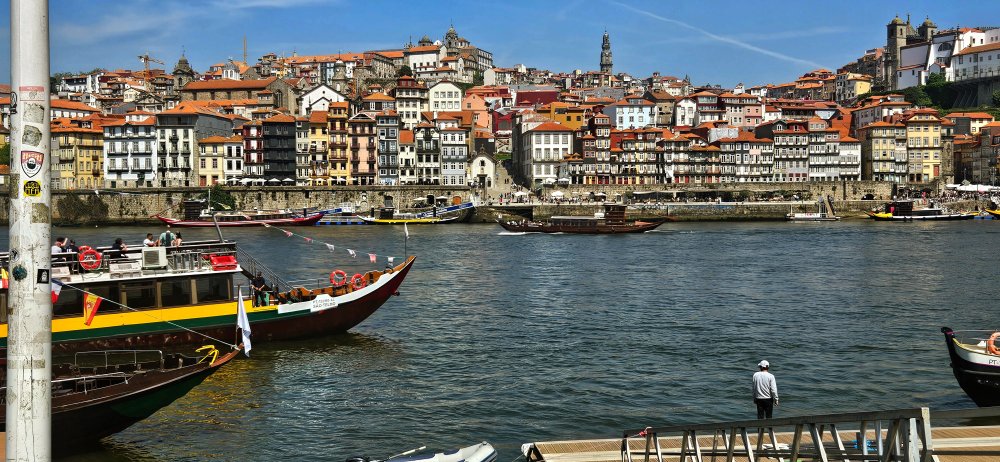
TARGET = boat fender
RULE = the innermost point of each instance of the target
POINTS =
(338, 278)
(358, 281)
(90, 259)
(991, 346)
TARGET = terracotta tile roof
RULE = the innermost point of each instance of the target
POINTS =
(189, 109)
(69, 105)
(392, 54)
(378, 97)
(971, 115)
(280, 118)
(551, 127)
(229, 84)
(406, 137)
(217, 140)
(979, 49)
(151, 120)
(848, 139)
(318, 117)
(423, 49)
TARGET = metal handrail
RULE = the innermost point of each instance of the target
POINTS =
(907, 437)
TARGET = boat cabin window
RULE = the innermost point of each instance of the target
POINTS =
(213, 288)
(175, 292)
(70, 301)
(139, 295)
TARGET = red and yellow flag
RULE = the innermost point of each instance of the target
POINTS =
(90, 304)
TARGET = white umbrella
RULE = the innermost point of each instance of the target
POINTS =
(274, 180)
(557, 194)
(246, 180)
(520, 193)
(288, 180)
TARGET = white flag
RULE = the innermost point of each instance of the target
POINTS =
(243, 323)
(406, 231)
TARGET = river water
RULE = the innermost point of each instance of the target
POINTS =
(520, 338)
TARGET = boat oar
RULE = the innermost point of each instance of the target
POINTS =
(405, 453)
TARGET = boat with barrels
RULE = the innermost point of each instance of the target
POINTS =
(975, 361)
(906, 210)
(196, 215)
(156, 296)
(611, 221)
(99, 393)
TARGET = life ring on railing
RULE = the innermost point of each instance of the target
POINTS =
(358, 281)
(338, 278)
(991, 346)
(90, 259)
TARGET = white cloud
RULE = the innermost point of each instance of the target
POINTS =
(719, 38)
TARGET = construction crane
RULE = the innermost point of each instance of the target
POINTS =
(146, 59)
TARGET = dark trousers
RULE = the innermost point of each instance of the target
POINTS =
(765, 407)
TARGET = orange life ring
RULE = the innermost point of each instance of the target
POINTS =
(90, 259)
(991, 346)
(358, 281)
(338, 278)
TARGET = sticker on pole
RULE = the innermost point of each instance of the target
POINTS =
(32, 188)
(31, 162)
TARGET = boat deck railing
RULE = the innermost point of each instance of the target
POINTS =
(250, 266)
(973, 337)
(902, 435)
(190, 256)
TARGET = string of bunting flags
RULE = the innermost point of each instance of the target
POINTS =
(373, 257)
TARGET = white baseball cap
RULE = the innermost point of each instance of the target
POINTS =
(763, 363)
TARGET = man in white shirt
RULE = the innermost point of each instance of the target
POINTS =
(765, 391)
(59, 246)
(148, 241)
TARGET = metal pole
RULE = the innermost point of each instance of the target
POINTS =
(29, 352)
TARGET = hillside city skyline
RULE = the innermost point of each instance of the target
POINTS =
(767, 47)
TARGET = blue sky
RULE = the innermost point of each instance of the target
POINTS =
(718, 41)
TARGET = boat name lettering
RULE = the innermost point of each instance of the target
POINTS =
(994, 362)
(323, 304)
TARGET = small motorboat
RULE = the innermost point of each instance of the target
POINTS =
(482, 452)
(975, 360)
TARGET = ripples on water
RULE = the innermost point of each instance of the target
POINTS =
(518, 338)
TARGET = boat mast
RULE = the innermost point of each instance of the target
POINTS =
(29, 347)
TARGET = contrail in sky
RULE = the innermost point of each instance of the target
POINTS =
(731, 41)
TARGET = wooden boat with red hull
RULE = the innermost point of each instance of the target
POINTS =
(104, 392)
(178, 295)
(246, 219)
(976, 364)
(198, 215)
(611, 222)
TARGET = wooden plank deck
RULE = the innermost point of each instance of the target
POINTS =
(984, 438)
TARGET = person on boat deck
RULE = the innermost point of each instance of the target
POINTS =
(166, 238)
(148, 241)
(259, 289)
(177, 241)
(765, 391)
(58, 248)
(71, 247)
(117, 249)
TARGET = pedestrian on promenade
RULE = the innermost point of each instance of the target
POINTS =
(765, 390)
